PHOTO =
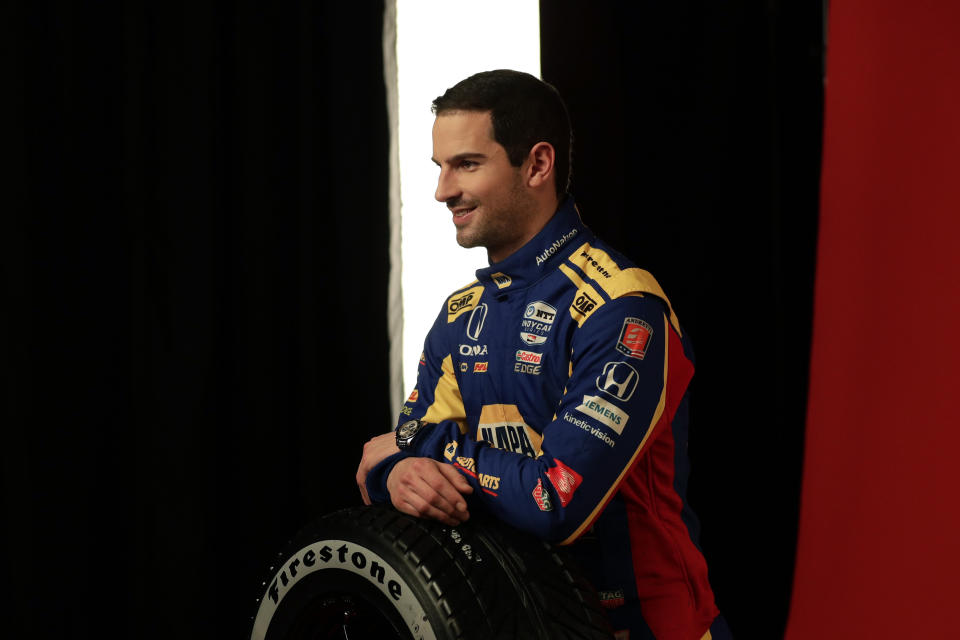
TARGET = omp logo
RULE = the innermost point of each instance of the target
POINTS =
(502, 280)
(475, 323)
(540, 311)
(565, 480)
(609, 414)
(529, 356)
(596, 265)
(583, 303)
(473, 350)
(618, 379)
(459, 303)
(479, 367)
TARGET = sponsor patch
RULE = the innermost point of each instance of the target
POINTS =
(555, 246)
(541, 312)
(618, 379)
(611, 599)
(565, 480)
(479, 367)
(502, 426)
(600, 262)
(583, 303)
(488, 483)
(458, 304)
(423, 358)
(542, 497)
(467, 464)
(450, 450)
(502, 280)
(473, 350)
(596, 432)
(463, 367)
(529, 356)
(634, 338)
(537, 321)
(523, 367)
(414, 395)
(605, 412)
(475, 323)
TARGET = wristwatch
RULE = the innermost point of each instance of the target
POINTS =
(407, 432)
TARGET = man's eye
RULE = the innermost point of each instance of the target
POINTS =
(468, 164)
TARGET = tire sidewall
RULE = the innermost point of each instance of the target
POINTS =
(356, 554)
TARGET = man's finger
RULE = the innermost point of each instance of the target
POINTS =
(446, 482)
(456, 478)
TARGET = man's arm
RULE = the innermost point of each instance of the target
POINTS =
(617, 401)
(419, 486)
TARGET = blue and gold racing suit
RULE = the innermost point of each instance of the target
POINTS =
(557, 383)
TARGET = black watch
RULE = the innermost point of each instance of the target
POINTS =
(407, 432)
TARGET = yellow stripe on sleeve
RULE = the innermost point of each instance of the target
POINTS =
(447, 401)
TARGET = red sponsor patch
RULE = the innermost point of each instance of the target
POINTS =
(529, 356)
(634, 338)
(479, 367)
(413, 396)
(542, 497)
(565, 480)
(611, 599)
(423, 358)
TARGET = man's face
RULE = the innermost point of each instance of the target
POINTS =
(486, 195)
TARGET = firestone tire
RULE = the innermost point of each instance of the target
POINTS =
(373, 572)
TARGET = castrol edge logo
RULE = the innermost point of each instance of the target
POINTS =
(529, 357)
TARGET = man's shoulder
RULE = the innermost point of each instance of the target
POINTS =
(604, 274)
(611, 271)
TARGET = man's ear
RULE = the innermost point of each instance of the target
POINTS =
(540, 165)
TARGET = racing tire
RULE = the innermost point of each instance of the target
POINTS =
(373, 572)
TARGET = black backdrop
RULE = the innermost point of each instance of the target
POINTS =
(195, 274)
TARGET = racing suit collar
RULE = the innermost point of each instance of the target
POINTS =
(562, 234)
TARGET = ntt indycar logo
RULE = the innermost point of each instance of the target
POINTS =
(537, 321)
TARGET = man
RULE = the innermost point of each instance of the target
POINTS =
(552, 390)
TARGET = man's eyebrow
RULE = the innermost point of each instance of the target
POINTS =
(461, 156)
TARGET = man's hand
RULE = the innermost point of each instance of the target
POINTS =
(375, 450)
(426, 488)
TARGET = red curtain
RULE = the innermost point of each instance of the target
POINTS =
(879, 542)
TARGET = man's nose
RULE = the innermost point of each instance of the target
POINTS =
(446, 187)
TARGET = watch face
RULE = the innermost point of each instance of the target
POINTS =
(407, 429)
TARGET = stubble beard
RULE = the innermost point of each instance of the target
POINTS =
(501, 223)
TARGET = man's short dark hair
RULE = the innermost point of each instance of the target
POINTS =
(524, 110)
